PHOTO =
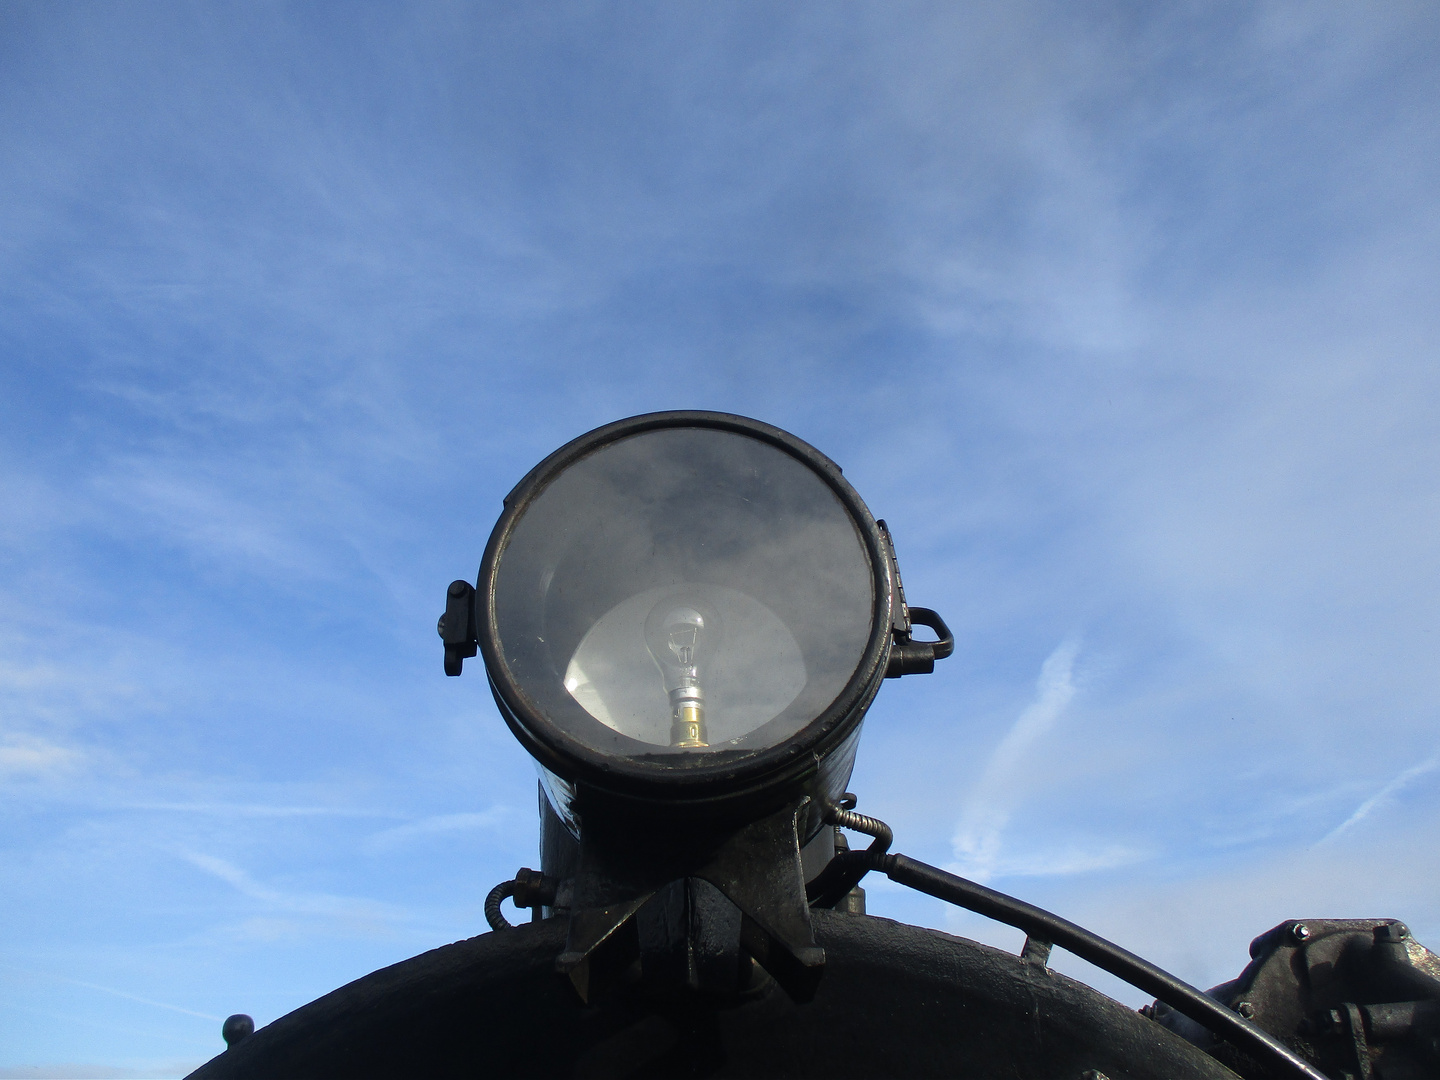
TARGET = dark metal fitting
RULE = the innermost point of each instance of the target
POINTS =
(1246, 1009)
(534, 889)
(1036, 951)
(1300, 932)
(457, 626)
(843, 873)
(529, 888)
(862, 823)
(1396, 931)
(237, 1028)
(910, 657)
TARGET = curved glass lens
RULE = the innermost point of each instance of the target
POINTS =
(684, 591)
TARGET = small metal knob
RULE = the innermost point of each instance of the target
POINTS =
(236, 1028)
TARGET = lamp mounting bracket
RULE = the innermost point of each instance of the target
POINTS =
(908, 656)
(756, 869)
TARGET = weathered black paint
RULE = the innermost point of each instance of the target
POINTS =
(896, 1000)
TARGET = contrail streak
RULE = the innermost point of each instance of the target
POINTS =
(977, 837)
(1363, 810)
(112, 990)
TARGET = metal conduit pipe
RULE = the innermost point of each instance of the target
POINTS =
(1106, 955)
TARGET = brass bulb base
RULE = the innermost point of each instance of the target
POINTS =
(688, 728)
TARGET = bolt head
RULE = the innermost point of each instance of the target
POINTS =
(1246, 1009)
(1300, 932)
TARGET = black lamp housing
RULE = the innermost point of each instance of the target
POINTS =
(737, 533)
(726, 781)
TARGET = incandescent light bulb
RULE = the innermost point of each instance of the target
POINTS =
(681, 633)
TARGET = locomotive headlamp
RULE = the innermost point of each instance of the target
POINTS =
(687, 606)
(683, 617)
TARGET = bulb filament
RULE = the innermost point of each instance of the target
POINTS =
(687, 701)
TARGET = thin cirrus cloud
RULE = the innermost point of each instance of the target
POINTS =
(117, 993)
(1012, 775)
(28, 756)
(992, 798)
(1389, 791)
(441, 826)
(354, 909)
(259, 810)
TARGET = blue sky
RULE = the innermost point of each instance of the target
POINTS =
(1124, 316)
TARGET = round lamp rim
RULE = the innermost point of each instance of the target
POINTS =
(690, 776)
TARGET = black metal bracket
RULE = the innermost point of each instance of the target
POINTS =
(756, 868)
(457, 626)
(908, 656)
(689, 935)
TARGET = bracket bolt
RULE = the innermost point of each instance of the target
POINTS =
(1300, 932)
(1246, 1009)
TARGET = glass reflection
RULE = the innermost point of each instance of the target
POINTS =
(682, 641)
(747, 539)
(693, 666)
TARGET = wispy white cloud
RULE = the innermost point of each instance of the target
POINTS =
(18, 678)
(353, 908)
(1366, 808)
(110, 990)
(440, 824)
(30, 756)
(257, 810)
(1073, 859)
(977, 839)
